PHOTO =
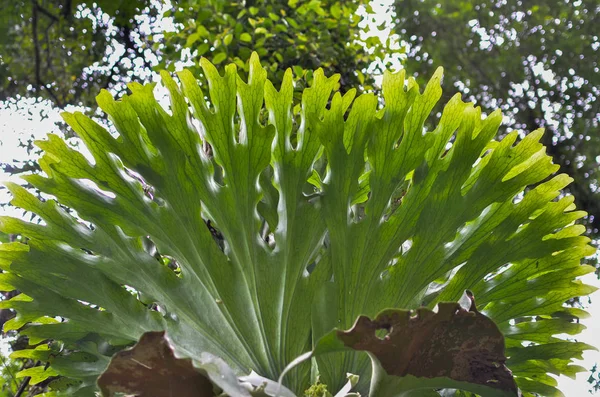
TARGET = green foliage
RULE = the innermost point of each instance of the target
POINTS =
(537, 61)
(8, 379)
(299, 34)
(244, 229)
(59, 50)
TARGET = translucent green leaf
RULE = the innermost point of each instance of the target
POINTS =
(38, 374)
(219, 57)
(336, 11)
(192, 39)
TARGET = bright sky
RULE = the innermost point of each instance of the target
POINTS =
(39, 119)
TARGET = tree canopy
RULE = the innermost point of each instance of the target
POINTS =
(66, 50)
(298, 34)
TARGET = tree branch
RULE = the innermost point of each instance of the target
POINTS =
(66, 11)
(36, 46)
(46, 12)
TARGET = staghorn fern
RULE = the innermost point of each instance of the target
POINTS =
(248, 241)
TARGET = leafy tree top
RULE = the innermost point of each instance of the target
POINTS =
(247, 231)
(300, 34)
